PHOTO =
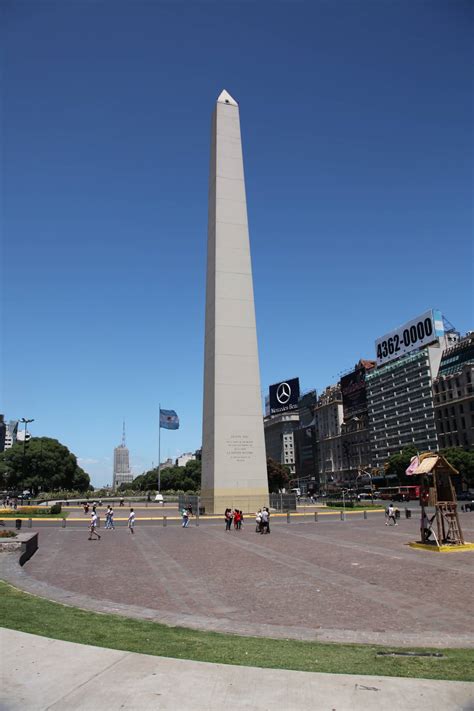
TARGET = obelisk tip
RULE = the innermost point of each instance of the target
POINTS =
(226, 98)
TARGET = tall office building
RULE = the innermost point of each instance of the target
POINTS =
(122, 473)
(454, 397)
(399, 390)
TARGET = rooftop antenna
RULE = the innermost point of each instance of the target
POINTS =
(123, 434)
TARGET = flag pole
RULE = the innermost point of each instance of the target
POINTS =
(159, 445)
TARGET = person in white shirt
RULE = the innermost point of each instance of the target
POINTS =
(93, 526)
(391, 515)
(265, 528)
(131, 521)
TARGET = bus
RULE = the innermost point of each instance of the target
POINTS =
(399, 493)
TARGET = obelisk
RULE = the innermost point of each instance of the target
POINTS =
(234, 472)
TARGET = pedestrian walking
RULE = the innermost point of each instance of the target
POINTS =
(109, 518)
(131, 521)
(241, 519)
(258, 521)
(390, 515)
(228, 519)
(185, 521)
(93, 526)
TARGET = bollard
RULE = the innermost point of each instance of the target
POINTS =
(288, 517)
(30, 523)
(343, 516)
(64, 523)
(164, 520)
(18, 524)
(315, 516)
(365, 514)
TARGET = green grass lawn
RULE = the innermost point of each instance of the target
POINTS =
(28, 613)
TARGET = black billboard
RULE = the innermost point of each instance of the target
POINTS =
(284, 396)
(354, 394)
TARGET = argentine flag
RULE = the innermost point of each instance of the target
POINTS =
(169, 420)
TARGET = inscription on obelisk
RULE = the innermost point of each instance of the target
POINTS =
(234, 469)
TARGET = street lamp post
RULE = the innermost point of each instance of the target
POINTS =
(26, 422)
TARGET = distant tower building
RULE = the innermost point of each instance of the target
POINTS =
(122, 474)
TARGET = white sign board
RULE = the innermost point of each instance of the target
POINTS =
(414, 334)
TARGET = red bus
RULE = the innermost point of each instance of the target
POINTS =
(399, 493)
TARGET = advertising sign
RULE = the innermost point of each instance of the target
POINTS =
(354, 395)
(284, 396)
(414, 334)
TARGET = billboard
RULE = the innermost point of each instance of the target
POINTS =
(354, 395)
(284, 396)
(414, 334)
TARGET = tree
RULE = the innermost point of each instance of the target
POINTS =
(278, 475)
(397, 463)
(463, 461)
(187, 478)
(43, 464)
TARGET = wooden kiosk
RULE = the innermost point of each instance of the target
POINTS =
(436, 489)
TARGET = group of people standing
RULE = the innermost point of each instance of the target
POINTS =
(236, 516)
(262, 521)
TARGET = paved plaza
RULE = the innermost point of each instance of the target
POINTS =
(331, 580)
(92, 678)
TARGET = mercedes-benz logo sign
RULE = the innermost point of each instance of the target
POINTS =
(283, 393)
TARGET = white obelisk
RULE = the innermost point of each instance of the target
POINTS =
(234, 472)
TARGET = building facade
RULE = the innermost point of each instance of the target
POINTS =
(328, 421)
(355, 440)
(122, 473)
(400, 403)
(183, 459)
(453, 395)
(11, 433)
(279, 438)
(306, 450)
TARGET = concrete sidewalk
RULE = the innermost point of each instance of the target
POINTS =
(39, 673)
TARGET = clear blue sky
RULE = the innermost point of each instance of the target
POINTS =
(357, 128)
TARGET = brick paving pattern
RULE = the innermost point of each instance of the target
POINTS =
(355, 580)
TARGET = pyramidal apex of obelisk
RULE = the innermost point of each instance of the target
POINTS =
(226, 98)
(234, 472)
